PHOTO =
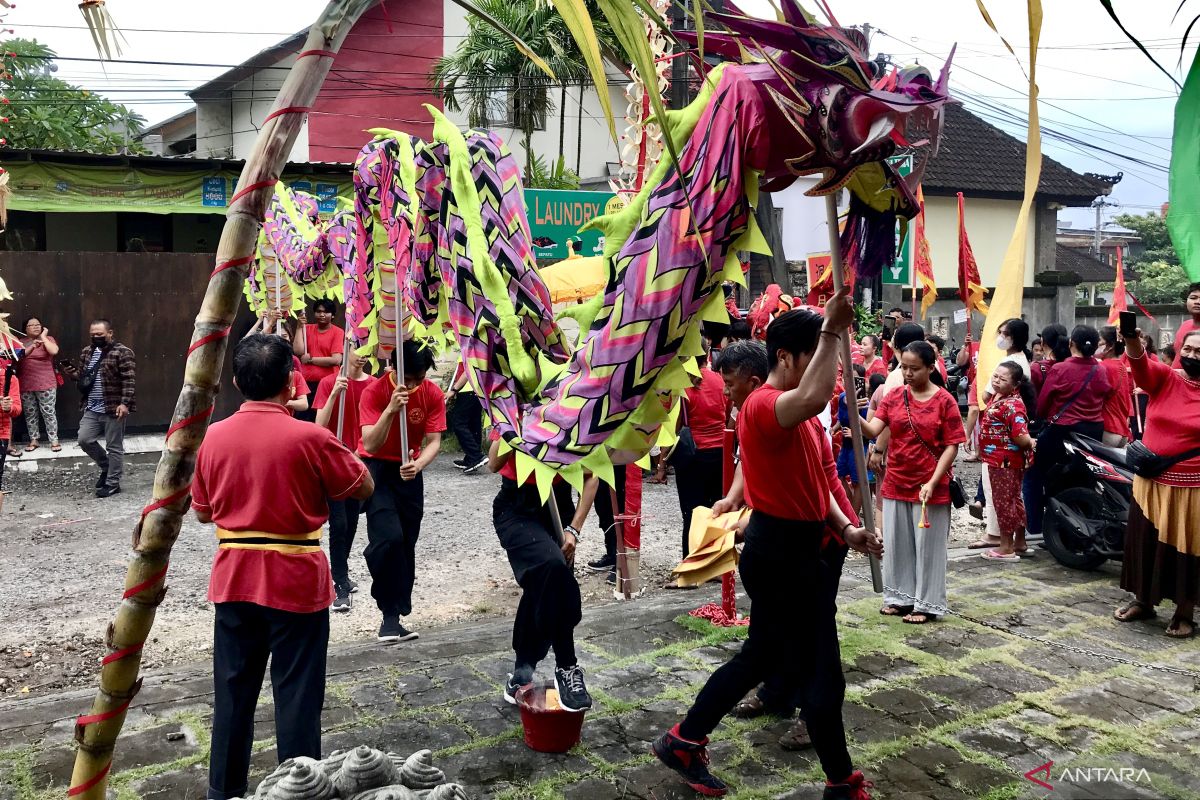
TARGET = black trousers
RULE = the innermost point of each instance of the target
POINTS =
(550, 605)
(793, 631)
(310, 413)
(394, 514)
(1051, 454)
(343, 524)
(244, 635)
(466, 420)
(606, 513)
(698, 480)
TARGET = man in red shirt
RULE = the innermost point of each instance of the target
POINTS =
(336, 404)
(793, 630)
(1191, 304)
(263, 478)
(394, 512)
(320, 348)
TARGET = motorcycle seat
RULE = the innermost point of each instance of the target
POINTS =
(1115, 455)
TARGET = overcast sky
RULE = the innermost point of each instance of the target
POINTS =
(1094, 85)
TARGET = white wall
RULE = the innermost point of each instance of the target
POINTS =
(233, 122)
(989, 225)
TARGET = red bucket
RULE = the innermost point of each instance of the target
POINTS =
(547, 730)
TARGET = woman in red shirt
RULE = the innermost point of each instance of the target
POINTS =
(926, 430)
(39, 383)
(1119, 405)
(871, 362)
(1162, 539)
(698, 476)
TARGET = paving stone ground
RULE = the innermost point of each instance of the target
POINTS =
(945, 711)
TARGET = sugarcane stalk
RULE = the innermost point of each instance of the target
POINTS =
(156, 531)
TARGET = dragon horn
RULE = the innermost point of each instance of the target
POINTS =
(944, 77)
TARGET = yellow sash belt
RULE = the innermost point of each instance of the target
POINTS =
(290, 543)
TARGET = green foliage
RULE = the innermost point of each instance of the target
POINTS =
(541, 175)
(1160, 282)
(1161, 278)
(868, 322)
(48, 113)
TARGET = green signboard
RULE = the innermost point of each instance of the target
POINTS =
(556, 215)
(900, 272)
(47, 186)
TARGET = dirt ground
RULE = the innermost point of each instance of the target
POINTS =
(64, 553)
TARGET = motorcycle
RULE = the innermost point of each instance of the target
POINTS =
(1088, 504)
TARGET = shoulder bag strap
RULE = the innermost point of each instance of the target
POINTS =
(1053, 420)
(908, 409)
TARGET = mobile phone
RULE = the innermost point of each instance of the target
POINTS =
(889, 327)
(860, 386)
(1128, 323)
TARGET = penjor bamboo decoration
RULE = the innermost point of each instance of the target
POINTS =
(96, 732)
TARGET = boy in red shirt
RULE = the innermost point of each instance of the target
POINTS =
(395, 510)
(782, 479)
(336, 403)
(1191, 304)
(263, 478)
(320, 345)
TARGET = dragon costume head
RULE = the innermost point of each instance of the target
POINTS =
(833, 112)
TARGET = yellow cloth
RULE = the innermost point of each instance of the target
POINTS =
(283, 542)
(711, 550)
(1173, 510)
(569, 281)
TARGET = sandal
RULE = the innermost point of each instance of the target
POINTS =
(33, 445)
(1181, 628)
(996, 555)
(1133, 611)
(797, 738)
(55, 447)
(919, 618)
(895, 611)
(14, 452)
(982, 543)
(750, 707)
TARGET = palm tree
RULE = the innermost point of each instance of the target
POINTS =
(489, 78)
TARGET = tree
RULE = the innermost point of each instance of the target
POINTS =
(497, 85)
(48, 113)
(1160, 274)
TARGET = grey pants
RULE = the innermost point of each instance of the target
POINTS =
(43, 403)
(111, 457)
(914, 569)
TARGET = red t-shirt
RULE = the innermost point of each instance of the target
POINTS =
(351, 429)
(910, 463)
(1118, 406)
(878, 367)
(941, 367)
(706, 407)
(1172, 424)
(1187, 327)
(1004, 419)
(426, 414)
(1069, 378)
(322, 345)
(298, 379)
(263, 470)
(14, 394)
(783, 468)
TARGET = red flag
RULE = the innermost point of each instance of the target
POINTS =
(1119, 301)
(922, 263)
(970, 289)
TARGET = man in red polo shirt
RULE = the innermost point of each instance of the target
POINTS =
(394, 512)
(793, 630)
(320, 348)
(336, 403)
(263, 478)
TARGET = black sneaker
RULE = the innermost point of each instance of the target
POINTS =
(108, 491)
(515, 681)
(342, 602)
(612, 576)
(461, 463)
(473, 468)
(390, 630)
(572, 693)
(103, 479)
(690, 760)
(604, 562)
(353, 585)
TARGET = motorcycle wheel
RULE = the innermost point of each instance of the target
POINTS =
(1069, 528)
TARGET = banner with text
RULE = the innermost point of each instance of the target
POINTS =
(556, 215)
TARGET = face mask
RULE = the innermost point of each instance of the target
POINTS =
(99, 341)
(1191, 366)
(1004, 343)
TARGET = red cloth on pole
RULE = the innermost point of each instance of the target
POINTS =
(1119, 301)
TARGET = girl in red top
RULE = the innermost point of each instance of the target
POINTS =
(1004, 442)
(1119, 405)
(926, 431)
(698, 477)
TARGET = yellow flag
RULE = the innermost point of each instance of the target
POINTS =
(1010, 287)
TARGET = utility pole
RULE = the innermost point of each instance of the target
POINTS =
(1099, 204)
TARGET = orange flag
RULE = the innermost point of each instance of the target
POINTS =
(970, 289)
(1120, 301)
(923, 264)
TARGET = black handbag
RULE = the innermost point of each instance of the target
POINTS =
(685, 449)
(87, 378)
(1149, 464)
(958, 495)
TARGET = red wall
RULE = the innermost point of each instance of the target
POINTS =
(379, 79)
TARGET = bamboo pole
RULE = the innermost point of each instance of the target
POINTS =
(343, 372)
(856, 435)
(155, 533)
(403, 423)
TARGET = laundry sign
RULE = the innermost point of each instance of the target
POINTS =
(556, 215)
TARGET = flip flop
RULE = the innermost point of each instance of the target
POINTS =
(56, 447)
(895, 611)
(29, 448)
(14, 452)
(912, 619)
(1175, 631)
(992, 555)
(982, 543)
(1134, 611)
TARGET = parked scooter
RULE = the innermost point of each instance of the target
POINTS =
(1087, 504)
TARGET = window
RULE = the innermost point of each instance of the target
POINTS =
(144, 233)
(26, 231)
(503, 106)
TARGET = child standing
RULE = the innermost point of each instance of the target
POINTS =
(847, 467)
(1004, 446)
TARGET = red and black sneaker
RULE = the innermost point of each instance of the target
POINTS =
(690, 760)
(853, 788)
